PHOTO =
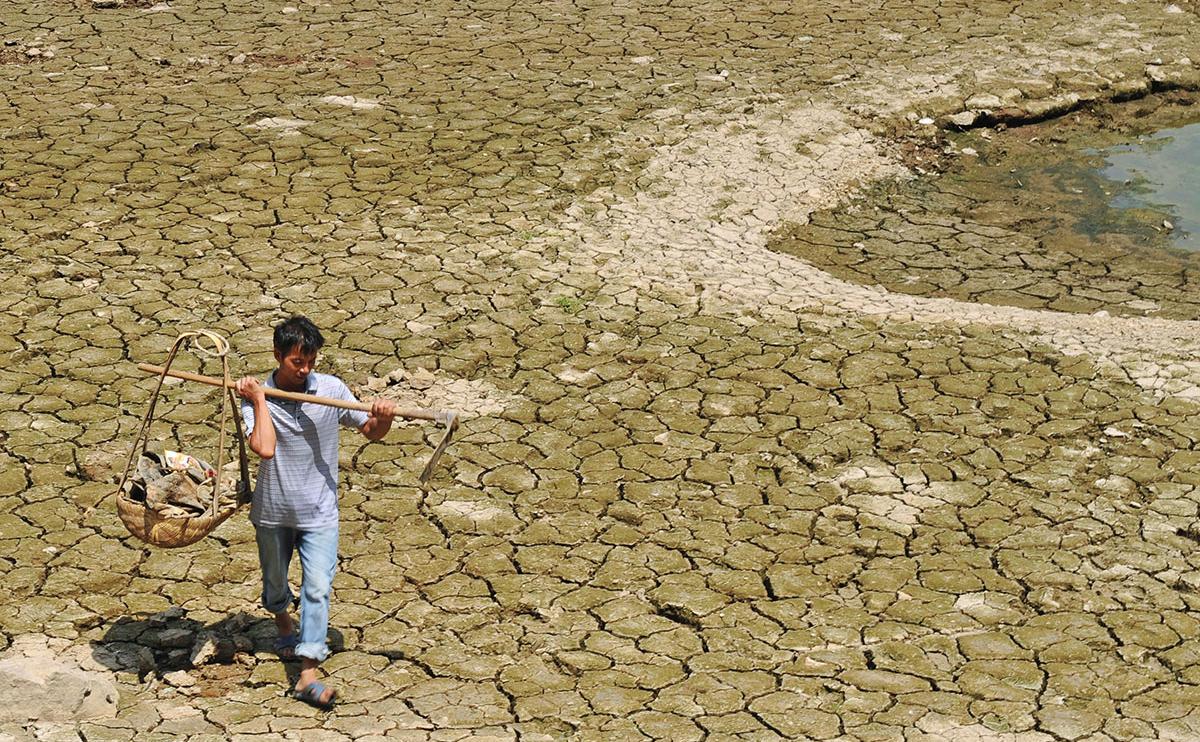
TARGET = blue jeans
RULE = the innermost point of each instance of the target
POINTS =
(318, 560)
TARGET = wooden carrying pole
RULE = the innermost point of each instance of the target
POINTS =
(414, 413)
(449, 418)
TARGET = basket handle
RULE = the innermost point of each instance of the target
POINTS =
(229, 407)
(244, 493)
(218, 347)
(139, 439)
(221, 350)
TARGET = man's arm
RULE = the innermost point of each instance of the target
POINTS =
(383, 411)
(262, 438)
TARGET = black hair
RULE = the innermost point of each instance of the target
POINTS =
(299, 331)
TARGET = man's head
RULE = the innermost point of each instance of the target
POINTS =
(296, 342)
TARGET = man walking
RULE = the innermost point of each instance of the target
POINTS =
(295, 498)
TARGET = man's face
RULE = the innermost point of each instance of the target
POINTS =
(294, 367)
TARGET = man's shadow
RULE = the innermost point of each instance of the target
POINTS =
(169, 640)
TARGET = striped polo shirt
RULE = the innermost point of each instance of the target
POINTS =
(297, 487)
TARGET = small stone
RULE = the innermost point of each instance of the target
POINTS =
(239, 59)
(123, 657)
(984, 102)
(925, 121)
(421, 379)
(104, 4)
(174, 638)
(145, 660)
(278, 122)
(969, 151)
(179, 679)
(162, 618)
(204, 649)
(963, 118)
(1167, 225)
(350, 101)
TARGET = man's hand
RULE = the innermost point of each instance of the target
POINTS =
(383, 412)
(250, 390)
(262, 437)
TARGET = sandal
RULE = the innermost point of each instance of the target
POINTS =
(311, 694)
(285, 646)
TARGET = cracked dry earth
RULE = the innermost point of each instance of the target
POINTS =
(704, 490)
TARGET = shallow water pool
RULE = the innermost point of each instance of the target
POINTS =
(1160, 173)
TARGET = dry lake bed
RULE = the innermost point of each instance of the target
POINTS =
(803, 397)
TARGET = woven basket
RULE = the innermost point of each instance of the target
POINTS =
(149, 524)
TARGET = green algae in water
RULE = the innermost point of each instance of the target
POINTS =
(1158, 177)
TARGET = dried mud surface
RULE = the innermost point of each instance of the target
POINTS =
(705, 490)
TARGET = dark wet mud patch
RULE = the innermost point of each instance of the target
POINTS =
(1024, 217)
